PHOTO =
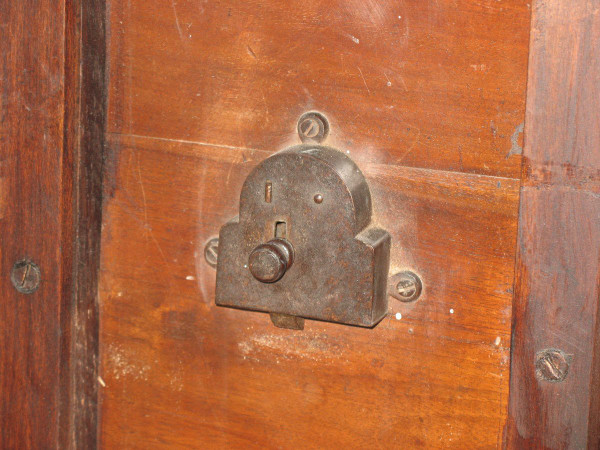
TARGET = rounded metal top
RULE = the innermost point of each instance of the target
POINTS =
(269, 262)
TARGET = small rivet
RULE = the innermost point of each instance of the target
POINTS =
(211, 252)
(26, 276)
(313, 127)
(405, 286)
(318, 199)
(552, 365)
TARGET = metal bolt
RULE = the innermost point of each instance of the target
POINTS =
(405, 286)
(26, 276)
(552, 365)
(313, 127)
(318, 199)
(211, 252)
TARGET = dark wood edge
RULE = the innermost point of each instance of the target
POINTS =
(84, 128)
(556, 299)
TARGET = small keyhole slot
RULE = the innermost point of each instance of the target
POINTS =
(280, 230)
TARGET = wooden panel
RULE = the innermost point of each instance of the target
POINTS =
(31, 138)
(51, 133)
(557, 290)
(180, 372)
(428, 98)
(85, 119)
(435, 84)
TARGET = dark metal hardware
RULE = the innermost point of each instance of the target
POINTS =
(405, 286)
(302, 245)
(289, 322)
(313, 127)
(552, 365)
(211, 252)
(268, 262)
(26, 276)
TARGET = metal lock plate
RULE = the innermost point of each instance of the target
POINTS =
(302, 244)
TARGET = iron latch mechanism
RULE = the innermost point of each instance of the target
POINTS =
(303, 245)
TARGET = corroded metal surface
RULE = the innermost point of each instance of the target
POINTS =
(405, 286)
(269, 262)
(318, 200)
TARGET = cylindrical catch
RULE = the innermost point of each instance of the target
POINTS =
(269, 262)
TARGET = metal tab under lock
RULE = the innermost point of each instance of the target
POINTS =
(302, 245)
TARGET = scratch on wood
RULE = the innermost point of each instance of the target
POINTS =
(389, 83)
(177, 21)
(411, 146)
(364, 81)
(147, 228)
(353, 38)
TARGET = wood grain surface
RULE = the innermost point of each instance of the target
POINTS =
(181, 372)
(558, 265)
(51, 132)
(437, 84)
(428, 98)
(31, 139)
(84, 124)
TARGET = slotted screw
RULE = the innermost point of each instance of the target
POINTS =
(552, 365)
(405, 286)
(313, 127)
(211, 252)
(26, 276)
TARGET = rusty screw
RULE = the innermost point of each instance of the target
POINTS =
(552, 365)
(405, 286)
(26, 276)
(313, 127)
(211, 252)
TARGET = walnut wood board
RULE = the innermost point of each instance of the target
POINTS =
(179, 371)
(51, 139)
(557, 293)
(429, 99)
(437, 83)
(32, 221)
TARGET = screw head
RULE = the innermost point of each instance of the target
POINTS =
(26, 276)
(318, 199)
(552, 365)
(405, 286)
(313, 127)
(211, 252)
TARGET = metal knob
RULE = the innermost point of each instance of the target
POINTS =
(269, 262)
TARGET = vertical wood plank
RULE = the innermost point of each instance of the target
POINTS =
(85, 112)
(31, 127)
(556, 290)
(51, 126)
